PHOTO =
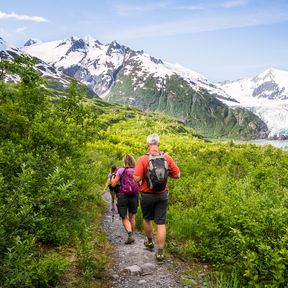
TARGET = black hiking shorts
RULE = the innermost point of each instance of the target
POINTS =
(154, 206)
(127, 204)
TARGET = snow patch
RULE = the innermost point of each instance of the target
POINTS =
(254, 93)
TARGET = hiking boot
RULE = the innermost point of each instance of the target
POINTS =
(149, 245)
(130, 240)
(159, 257)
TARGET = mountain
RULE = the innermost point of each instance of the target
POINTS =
(98, 64)
(266, 95)
(119, 74)
(271, 84)
(8, 52)
(32, 42)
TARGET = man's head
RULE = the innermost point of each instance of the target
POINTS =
(153, 139)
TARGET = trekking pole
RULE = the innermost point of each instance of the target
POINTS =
(113, 215)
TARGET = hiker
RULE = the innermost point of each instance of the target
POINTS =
(113, 190)
(127, 196)
(152, 171)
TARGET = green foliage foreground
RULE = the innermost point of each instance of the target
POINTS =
(46, 181)
(229, 209)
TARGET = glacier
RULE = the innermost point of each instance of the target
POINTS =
(266, 95)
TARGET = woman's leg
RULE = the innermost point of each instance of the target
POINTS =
(127, 224)
(132, 220)
(128, 227)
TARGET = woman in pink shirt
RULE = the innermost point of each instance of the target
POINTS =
(128, 195)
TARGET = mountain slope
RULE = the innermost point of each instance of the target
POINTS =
(120, 74)
(270, 84)
(98, 64)
(9, 52)
(266, 95)
(198, 109)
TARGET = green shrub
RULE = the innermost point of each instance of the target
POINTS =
(45, 187)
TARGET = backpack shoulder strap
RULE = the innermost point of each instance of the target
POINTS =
(125, 168)
(159, 152)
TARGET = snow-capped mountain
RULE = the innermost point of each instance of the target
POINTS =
(266, 95)
(32, 41)
(271, 84)
(97, 64)
(117, 73)
(8, 52)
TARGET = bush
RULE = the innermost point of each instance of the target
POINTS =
(45, 187)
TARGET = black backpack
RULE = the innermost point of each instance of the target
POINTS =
(113, 189)
(158, 170)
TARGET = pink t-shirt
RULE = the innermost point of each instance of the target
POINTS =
(120, 171)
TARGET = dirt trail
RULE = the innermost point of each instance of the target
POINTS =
(133, 265)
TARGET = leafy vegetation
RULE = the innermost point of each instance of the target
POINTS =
(47, 183)
(234, 211)
(228, 210)
(198, 109)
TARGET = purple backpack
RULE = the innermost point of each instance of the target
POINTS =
(128, 186)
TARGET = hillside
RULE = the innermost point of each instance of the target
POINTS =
(197, 109)
(55, 79)
(228, 211)
(266, 95)
(119, 74)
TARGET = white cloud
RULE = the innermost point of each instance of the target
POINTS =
(130, 9)
(234, 3)
(4, 33)
(126, 9)
(4, 16)
(203, 24)
(214, 5)
(21, 29)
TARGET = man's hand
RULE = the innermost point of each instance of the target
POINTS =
(137, 178)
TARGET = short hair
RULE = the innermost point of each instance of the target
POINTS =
(113, 168)
(153, 139)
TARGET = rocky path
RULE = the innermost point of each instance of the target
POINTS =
(133, 265)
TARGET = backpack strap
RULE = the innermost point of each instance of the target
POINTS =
(123, 171)
(159, 152)
(125, 168)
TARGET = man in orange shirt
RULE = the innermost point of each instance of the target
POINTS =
(154, 203)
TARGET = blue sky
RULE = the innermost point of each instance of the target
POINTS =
(221, 39)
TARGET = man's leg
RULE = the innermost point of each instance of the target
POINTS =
(160, 217)
(161, 235)
(147, 202)
(147, 225)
